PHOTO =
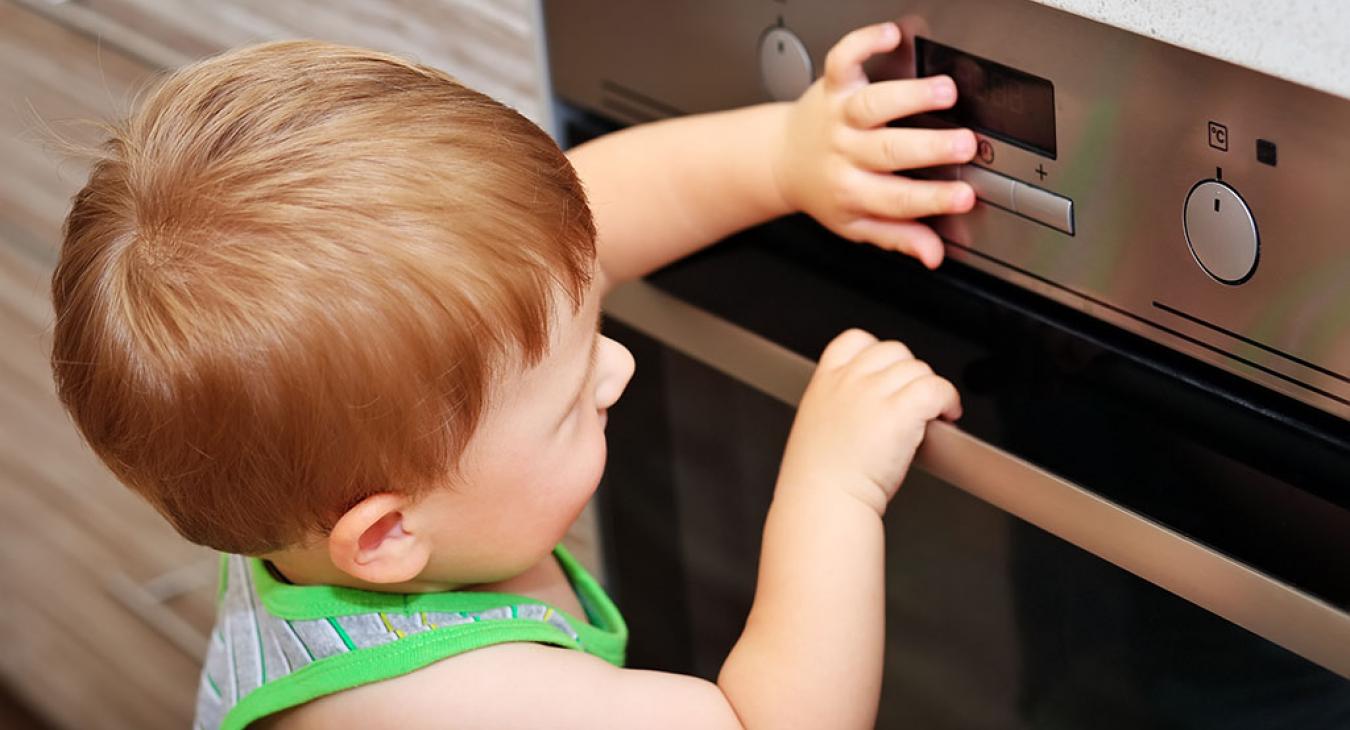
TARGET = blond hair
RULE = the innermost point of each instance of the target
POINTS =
(293, 278)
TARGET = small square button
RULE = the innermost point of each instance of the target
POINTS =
(1266, 152)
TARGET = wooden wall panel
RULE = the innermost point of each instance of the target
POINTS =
(104, 609)
(487, 45)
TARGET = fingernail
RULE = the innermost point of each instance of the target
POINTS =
(963, 146)
(964, 197)
(944, 91)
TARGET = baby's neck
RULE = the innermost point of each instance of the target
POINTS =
(302, 567)
(305, 569)
(544, 581)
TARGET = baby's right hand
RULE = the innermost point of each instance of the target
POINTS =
(862, 418)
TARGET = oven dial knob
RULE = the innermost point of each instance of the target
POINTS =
(1221, 232)
(784, 64)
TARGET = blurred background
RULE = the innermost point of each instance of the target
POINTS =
(103, 608)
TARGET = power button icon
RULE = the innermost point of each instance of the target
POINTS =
(984, 151)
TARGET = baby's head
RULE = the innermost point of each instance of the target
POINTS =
(321, 304)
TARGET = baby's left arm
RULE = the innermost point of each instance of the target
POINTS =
(662, 191)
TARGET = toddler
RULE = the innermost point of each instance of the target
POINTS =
(335, 315)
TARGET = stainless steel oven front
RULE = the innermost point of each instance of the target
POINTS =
(1143, 519)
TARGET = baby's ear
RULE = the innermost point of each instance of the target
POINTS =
(370, 544)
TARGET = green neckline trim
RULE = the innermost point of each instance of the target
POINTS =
(605, 636)
(602, 625)
(353, 669)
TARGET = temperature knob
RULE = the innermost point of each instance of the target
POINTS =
(784, 64)
(1221, 232)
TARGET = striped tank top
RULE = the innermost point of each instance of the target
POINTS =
(277, 645)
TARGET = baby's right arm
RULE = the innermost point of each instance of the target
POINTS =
(811, 652)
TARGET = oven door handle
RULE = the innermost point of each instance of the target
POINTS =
(1301, 623)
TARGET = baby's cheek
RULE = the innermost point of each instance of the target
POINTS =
(590, 464)
(575, 483)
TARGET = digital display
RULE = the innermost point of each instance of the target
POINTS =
(997, 100)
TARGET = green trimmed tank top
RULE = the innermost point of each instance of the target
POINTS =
(277, 645)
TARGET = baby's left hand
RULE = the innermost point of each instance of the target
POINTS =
(836, 158)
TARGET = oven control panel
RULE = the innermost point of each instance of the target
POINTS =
(1197, 203)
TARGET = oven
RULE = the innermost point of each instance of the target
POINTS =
(1143, 518)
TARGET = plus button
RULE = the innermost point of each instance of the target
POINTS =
(1040, 170)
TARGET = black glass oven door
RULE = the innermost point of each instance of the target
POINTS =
(1039, 554)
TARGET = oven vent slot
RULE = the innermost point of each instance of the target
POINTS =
(634, 105)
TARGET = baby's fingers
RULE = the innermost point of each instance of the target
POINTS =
(843, 64)
(881, 356)
(844, 347)
(890, 196)
(929, 397)
(908, 237)
(884, 101)
(890, 149)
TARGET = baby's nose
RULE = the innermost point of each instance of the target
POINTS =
(616, 367)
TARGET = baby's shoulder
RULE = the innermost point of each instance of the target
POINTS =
(522, 685)
(475, 688)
